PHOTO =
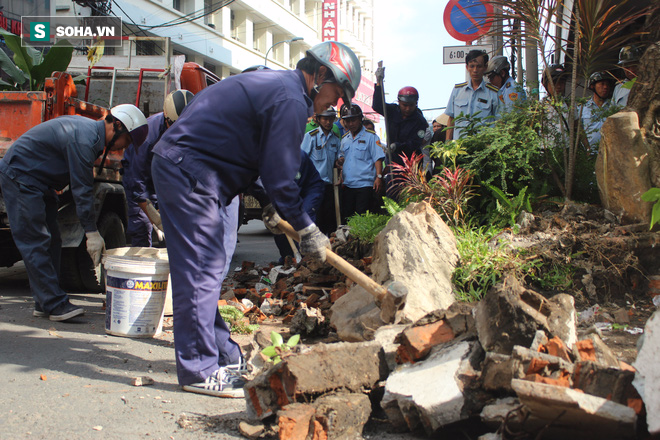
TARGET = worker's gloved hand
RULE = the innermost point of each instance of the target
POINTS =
(154, 215)
(160, 235)
(380, 75)
(95, 246)
(271, 219)
(313, 242)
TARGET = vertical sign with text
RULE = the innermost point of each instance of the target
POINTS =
(329, 20)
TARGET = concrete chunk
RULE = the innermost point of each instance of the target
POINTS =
(316, 370)
(428, 393)
(341, 416)
(572, 411)
(647, 377)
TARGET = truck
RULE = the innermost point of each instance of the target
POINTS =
(22, 110)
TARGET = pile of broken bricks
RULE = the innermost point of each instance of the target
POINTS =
(510, 366)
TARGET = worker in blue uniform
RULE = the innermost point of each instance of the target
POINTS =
(474, 97)
(322, 146)
(46, 159)
(234, 131)
(510, 93)
(136, 166)
(361, 159)
(406, 124)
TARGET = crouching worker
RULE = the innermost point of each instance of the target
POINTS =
(143, 217)
(234, 131)
(46, 159)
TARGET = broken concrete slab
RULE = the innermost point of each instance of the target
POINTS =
(315, 370)
(508, 408)
(609, 383)
(417, 249)
(572, 411)
(497, 372)
(647, 377)
(509, 315)
(428, 393)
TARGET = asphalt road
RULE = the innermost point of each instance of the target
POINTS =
(73, 381)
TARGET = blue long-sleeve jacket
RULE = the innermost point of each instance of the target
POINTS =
(57, 153)
(407, 133)
(243, 127)
(137, 162)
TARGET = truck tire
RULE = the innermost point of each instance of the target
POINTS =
(112, 230)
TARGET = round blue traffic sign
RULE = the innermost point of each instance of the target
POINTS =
(467, 20)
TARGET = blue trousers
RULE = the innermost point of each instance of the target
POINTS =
(139, 226)
(201, 238)
(33, 219)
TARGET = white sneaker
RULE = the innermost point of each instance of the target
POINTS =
(225, 382)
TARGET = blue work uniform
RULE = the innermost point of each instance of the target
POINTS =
(137, 181)
(234, 131)
(323, 151)
(593, 120)
(360, 155)
(510, 94)
(481, 102)
(45, 159)
(622, 91)
(408, 134)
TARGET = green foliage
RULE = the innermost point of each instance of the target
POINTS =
(508, 209)
(30, 67)
(279, 349)
(236, 320)
(366, 226)
(653, 195)
(392, 207)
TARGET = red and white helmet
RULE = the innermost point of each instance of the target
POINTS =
(408, 95)
(342, 62)
(134, 121)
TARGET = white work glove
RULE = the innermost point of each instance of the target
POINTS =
(271, 219)
(154, 215)
(95, 246)
(313, 242)
(380, 75)
(159, 234)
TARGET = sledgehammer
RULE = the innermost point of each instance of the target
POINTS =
(390, 299)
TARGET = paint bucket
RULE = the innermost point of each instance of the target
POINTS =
(136, 285)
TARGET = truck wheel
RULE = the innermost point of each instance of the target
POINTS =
(111, 229)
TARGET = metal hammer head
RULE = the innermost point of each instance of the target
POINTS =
(393, 301)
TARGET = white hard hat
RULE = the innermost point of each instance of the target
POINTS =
(175, 102)
(443, 119)
(134, 121)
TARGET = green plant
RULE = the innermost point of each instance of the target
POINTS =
(653, 195)
(279, 349)
(236, 320)
(508, 209)
(30, 67)
(392, 207)
(366, 226)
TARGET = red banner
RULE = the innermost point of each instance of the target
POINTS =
(364, 97)
(329, 18)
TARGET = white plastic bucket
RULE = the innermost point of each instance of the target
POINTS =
(136, 285)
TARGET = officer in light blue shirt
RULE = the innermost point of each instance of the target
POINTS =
(629, 61)
(474, 97)
(509, 92)
(362, 159)
(601, 83)
(322, 146)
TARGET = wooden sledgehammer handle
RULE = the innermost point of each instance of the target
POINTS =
(342, 265)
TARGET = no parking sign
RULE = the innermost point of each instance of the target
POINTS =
(467, 20)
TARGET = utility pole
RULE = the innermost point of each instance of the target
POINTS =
(531, 65)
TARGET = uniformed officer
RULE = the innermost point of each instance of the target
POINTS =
(629, 57)
(322, 146)
(474, 98)
(234, 131)
(509, 92)
(136, 166)
(361, 158)
(601, 84)
(45, 159)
